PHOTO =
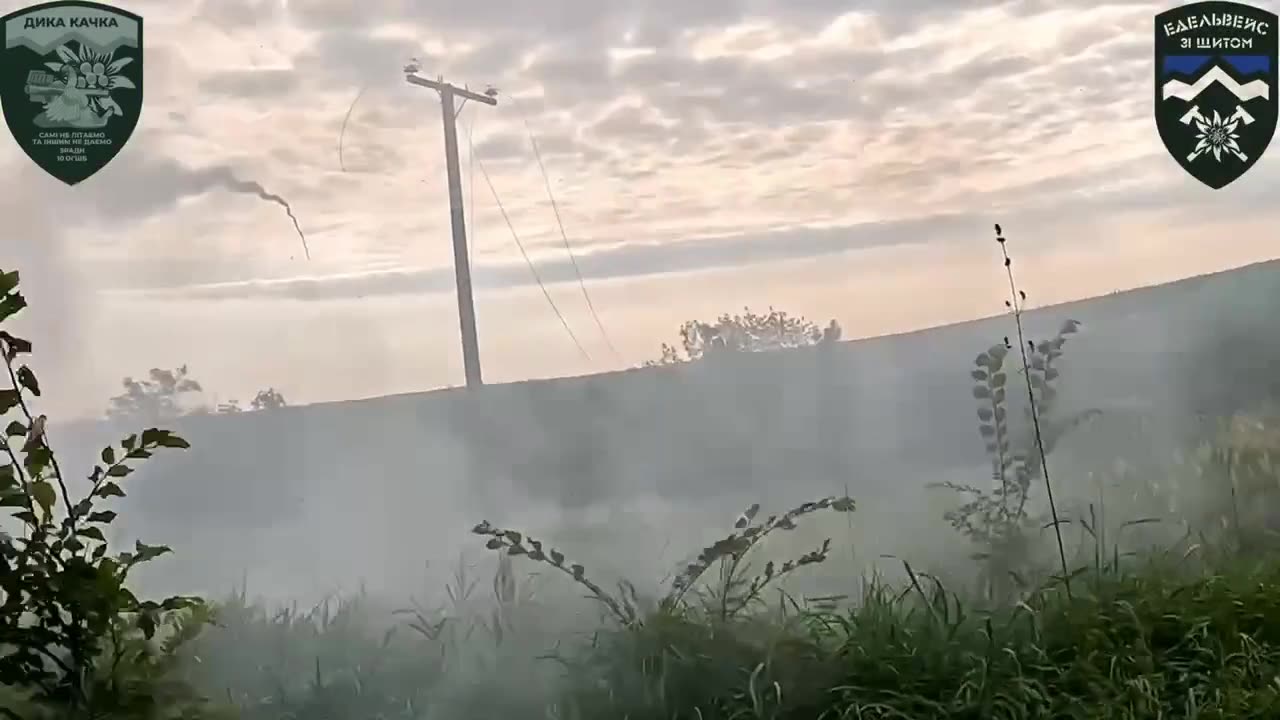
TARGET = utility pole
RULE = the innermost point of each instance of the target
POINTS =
(461, 265)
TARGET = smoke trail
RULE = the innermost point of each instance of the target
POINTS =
(222, 177)
(343, 132)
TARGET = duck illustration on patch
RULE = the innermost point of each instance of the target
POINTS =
(82, 97)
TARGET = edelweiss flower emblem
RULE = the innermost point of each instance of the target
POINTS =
(1217, 135)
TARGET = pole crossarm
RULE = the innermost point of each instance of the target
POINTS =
(461, 261)
(442, 86)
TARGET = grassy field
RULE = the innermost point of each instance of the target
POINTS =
(1175, 640)
(1147, 590)
(1193, 632)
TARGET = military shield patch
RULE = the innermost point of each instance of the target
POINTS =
(1215, 87)
(71, 84)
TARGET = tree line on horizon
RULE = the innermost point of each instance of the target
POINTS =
(168, 394)
(165, 394)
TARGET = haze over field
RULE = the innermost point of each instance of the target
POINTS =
(383, 492)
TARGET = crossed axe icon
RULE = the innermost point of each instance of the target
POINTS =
(1194, 114)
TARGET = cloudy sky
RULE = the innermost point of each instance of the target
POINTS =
(704, 156)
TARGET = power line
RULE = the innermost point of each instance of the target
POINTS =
(533, 270)
(345, 119)
(555, 208)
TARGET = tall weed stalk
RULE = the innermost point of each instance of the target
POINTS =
(1015, 304)
(999, 520)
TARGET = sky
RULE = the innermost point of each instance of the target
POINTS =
(702, 156)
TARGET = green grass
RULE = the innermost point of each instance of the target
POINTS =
(1141, 647)
(1168, 637)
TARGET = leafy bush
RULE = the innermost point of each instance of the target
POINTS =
(748, 332)
(159, 398)
(73, 639)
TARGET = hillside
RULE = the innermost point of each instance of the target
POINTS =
(883, 415)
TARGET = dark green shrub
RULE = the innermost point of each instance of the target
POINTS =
(74, 640)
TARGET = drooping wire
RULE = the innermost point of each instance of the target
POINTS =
(343, 132)
(533, 270)
(555, 208)
(475, 162)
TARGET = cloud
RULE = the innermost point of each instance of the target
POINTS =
(244, 84)
(239, 15)
(623, 260)
(357, 58)
(612, 259)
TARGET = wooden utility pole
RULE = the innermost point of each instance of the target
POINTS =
(461, 265)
